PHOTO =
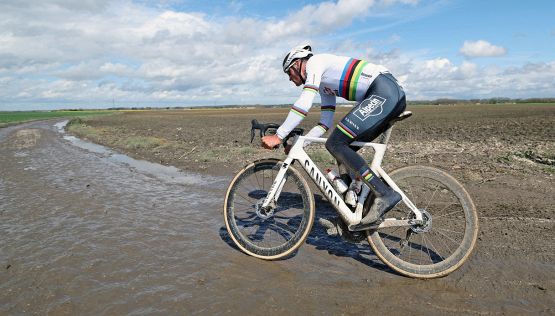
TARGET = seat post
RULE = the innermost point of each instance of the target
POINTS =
(384, 137)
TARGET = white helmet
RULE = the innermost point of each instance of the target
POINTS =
(298, 52)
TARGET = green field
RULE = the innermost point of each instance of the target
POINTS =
(9, 118)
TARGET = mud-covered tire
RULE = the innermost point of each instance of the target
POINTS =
(293, 225)
(384, 243)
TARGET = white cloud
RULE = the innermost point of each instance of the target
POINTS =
(468, 69)
(316, 19)
(341, 13)
(127, 50)
(481, 48)
(441, 78)
(102, 50)
(437, 66)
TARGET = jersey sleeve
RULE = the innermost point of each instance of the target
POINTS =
(300, 108)
(326, 117)
(298, 112)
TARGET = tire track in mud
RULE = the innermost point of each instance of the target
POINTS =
(87, 233)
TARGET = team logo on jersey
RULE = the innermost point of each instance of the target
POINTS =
(373, 106)
(328, 91)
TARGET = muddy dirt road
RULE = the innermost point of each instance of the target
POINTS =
(90, 232)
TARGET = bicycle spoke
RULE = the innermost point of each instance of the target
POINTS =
(410, 249)
(434, 249)
(257, 182)
(242, 204)
(426, 246)
(254, 187)
(451, 239)
(445, 208)
(250, 187)
(428, 204)
(455, 212)
(244, 209)
(412, 196)
(246, 199)
(440, 203)
(443, 241)
(451, 231)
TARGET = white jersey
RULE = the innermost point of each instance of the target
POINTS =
(331, 76)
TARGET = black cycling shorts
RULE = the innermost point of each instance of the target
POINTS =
(384, 100)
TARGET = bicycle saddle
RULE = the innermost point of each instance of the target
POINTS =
(401, 117)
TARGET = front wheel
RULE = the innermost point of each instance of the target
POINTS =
(274, 232)
(448, 235)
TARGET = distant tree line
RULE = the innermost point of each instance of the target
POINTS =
(419, 102)
(482, 101)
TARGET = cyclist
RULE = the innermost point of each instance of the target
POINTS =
(378, 96)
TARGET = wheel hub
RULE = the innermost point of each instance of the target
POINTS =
(263, 212)
(426, 225)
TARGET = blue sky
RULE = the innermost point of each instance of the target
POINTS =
(100, 53)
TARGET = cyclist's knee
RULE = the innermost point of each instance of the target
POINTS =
(336, 143)
(330, 146)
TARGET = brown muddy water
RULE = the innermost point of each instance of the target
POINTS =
(88, 231)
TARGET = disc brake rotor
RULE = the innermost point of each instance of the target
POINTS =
(263, 212)
(426, 226)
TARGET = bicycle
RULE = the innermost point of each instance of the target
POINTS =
(269, 211)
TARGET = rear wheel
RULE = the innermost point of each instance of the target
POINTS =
(448, 235)
(270, 233)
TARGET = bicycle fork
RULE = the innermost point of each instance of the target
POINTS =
(277, 185)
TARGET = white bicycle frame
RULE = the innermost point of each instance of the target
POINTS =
(349, 217)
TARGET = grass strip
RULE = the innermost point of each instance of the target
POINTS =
(15, 117)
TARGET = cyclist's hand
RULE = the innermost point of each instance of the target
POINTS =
(271, 141)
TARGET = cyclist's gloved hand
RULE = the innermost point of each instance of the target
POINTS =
(270, 141)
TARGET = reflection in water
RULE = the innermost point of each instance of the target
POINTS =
(168, 174)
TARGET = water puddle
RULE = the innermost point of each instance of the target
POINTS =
(21, 154)
(167, 174)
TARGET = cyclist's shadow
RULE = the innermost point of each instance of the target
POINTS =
(334, 245)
